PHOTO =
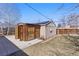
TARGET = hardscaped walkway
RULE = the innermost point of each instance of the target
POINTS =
(22, 44)
(7, 48)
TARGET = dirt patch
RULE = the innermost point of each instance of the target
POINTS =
(58, 46)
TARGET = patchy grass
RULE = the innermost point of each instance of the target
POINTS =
(73, 39)
(58, 46)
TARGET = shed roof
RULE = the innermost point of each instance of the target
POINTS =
(27, 24)
(40, 23)
(45, 22)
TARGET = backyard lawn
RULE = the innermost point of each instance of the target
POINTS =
(58, 46)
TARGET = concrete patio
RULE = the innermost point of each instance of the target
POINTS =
(22, 44)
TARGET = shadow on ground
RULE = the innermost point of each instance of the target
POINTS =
(7, 48)
(18, 53)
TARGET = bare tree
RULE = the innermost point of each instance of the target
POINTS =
(63, 21)
(59, 25)
(73, 20)
(9, 15)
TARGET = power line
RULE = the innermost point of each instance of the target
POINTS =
(60, 7)
(71, 9)
(37, 11)
(68, 10)
(74, 7)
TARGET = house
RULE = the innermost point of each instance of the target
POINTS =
(27, 31)
(47, 29)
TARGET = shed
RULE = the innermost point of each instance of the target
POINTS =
(47, 29)
(26, 31)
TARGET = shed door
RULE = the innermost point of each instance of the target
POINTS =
(30, 33)
(21, 32)
(37, 34)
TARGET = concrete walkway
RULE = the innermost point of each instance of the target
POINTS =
(7, 48)
(22, 44)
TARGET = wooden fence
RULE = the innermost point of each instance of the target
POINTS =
(67, 31)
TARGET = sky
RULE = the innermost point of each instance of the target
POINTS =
(54, 11)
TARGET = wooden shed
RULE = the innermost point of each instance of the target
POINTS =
(26, 31)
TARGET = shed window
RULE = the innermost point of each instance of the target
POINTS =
(50, 31)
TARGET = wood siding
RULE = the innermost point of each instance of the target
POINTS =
(27, 32)
(67, 31)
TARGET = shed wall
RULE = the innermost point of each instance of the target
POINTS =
(47, 31)
(43, 32)
(27, 32)
(50, 31)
